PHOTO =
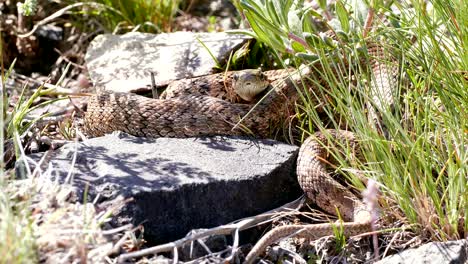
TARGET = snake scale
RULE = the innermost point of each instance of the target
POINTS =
(214, 104)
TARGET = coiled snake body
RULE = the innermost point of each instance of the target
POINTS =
(191, 108)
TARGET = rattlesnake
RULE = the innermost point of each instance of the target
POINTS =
(198, 110)
(311, 170)
(190, 108)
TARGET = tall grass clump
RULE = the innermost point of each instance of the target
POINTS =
(153, 16)
(17, 242)
(17, 238)
(419, 154)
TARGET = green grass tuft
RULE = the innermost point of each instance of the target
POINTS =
(137, 15)
(422, 164)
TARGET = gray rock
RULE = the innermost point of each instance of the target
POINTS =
(181, 184)
(123, 63)
(452, 252)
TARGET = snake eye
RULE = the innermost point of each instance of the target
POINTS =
(235, 77)
(248, 83)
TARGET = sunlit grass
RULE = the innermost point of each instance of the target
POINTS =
(17, 242)
(137, 15)
(421, 164)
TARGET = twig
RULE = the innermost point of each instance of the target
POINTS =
(239, 225)
(297, 258)
(154, 90)
(115, 249)
(67, 60)
(62, 12)
(117, 230)
(211, 257)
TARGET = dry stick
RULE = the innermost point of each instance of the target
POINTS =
(117, 230)
(211, 257)
(116, 248)
(297, 258)
(175, 254)
(154, 90)
(235, 245)
(205, 247)
(62, 12)
(242, 224)
(67, 60)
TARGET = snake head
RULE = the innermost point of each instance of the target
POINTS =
(249, 83)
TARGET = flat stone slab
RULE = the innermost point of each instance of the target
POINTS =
(123, 63)
(451, 252)
(182, 184)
